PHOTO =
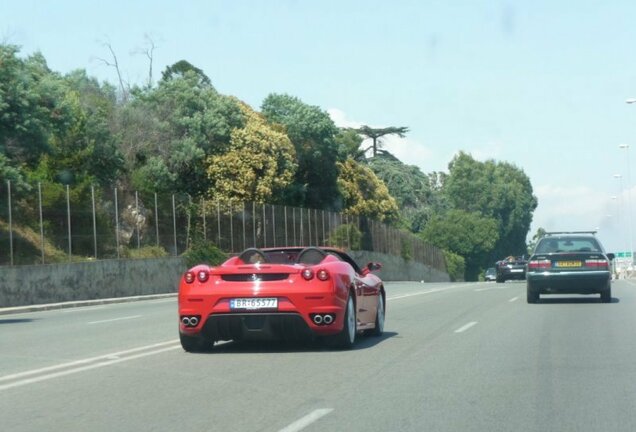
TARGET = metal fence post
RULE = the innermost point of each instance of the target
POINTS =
(264, 227)
(309, 225)
(156, 219)
(41, 220)
(323, 227)
(254, 222)
(94, 221)
(231, 226)
(285, 217)
(294, 223)
(205, 234)
(116, 223)
(10, 223)
(273, 226)
(68, 218)
(174, 227)
(244, 237)
(137, 218)
(218, 224)
(301, 227)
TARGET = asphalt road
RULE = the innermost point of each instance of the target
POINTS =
(455, 357)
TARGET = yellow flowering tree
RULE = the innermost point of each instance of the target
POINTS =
(259, 162)
(364, 193)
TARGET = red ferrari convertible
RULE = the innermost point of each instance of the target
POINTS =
(283, 293)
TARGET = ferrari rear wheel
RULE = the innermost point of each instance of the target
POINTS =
(347, 337)
(379, 317)
(195, 343)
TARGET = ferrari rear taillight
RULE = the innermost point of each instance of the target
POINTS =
(307, 274)
(322, 274)
(597, 263)
(539, 264)
(189, 277)
(203, 276)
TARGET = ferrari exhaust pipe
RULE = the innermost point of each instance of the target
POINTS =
(328, 319)
(318, 319)
(185, 320)
(194, 321)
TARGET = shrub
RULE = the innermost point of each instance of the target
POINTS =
(346, 236)
(203, 252)
(144, 252)
(455, 266)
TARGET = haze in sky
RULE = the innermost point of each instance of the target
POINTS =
(540, 84)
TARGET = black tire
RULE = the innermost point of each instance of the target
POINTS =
(347, 337)
(195, 343)
(532, 294)
(379, 318)
(606, 294)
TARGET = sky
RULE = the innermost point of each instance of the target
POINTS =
(540, 84)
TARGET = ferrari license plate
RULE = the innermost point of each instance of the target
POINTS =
(254, 303)
(568, 264)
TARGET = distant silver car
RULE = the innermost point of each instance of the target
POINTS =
(491, 274)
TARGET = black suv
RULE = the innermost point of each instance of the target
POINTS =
(511, 268)
(569, 263)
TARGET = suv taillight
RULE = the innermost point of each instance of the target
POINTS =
(539, 264)
(597, 263)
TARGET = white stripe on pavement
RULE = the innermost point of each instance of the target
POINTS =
(115, 319)
(513, 299)
(465, 327)
(310, 418)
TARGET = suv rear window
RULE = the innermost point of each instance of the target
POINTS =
(568, 244)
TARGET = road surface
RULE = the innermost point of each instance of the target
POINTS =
(455, 357)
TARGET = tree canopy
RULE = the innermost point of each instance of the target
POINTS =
(258, 164)
(313, 134)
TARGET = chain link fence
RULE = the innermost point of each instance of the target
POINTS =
(49, 223)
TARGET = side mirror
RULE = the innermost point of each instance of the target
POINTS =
(374, 266)
(611, 256)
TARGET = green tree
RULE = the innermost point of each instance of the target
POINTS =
(313, 133)
(183, 67)
(258, 163)
(349, 143)
(364, 193)
(28, 106)
(496, 190)
(409, 186)
(376, 133)
(173, 129)
(469, 234)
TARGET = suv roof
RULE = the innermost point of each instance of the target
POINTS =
(553, 233)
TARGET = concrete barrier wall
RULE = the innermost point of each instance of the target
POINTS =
(396, 268)
(55, 283)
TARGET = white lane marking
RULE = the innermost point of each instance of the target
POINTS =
(84, 361)
(115, 319)
(82, 309)
(310, 418)
(513, 299)
(465, 327)
(425, 292)
(83, 368)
